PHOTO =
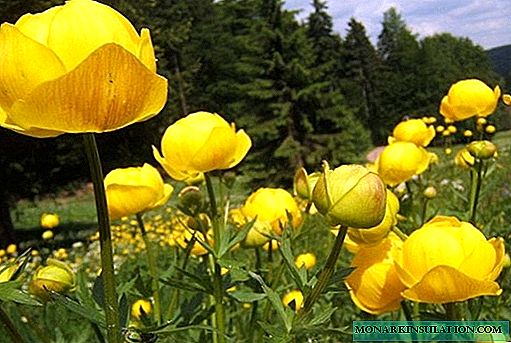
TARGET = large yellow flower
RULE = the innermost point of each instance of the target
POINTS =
(135, 190)
(413, 130)
(201, 142)
(79, 67)
(468, 98)
(400, 161)
(448, 260)
(374, 285)
(273, 206)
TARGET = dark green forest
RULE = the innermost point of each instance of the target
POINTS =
(302, 91)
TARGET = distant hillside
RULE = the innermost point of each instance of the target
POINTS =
(500, 58)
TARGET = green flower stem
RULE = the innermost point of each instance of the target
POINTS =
(105, 240)
(399, 233)
(10, 327)
(218, 292)
(424, 211)
(475, 189)
(326, 272)
(153, 270)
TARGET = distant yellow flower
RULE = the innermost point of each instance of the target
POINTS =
(468, 98)
(141, 308)
(11, 249)
(56, 276)
(413, 130)
(295, 296)
(273, 206)
(375, 234)
(350, 195)
(481, 121)
(464, 159)
(374, 285)
(447, 151)
(135, 190)
(49, 220)
(448, 260)
(452, 129)
(258, 234)
(7, 271)
(440, 128)
(47, 235)
(79, 67)
(506, 98)
(468, 133)
(490, 129)
(306, 260)
(199, 143)
(430, 192)
(400, 161)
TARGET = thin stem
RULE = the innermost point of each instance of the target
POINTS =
(475, 189)
(105, 240)
(11, 328)
(424, 211)
(399, 233)
(326, 272)
(153, 270)
(211, 194)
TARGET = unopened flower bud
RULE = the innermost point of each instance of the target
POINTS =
(49, 220)
(429, 192)
(56, 276)
(191, 199)
(350, 195)
(47, 235)
(304, 183)
(482, 149)
(464, 159)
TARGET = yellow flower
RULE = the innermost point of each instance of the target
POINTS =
(350, 195)
(452, 129)
(79, 67)
(464, 159)
(482, 149)
(273, 206)
(306, 260)
(197, 249)
(400, 161)
(490, 129)
(11, 249)
(135, 190)
(47, 235)
(448, 260)
(56, 276)
(430, 192)
(467, 133)
(374, 285)
(295, 296)
(49, 220)
(199, 143)
(7, 271)
(468, 98)
(257, 235)
(304, 183)
(413, 130)
(376, 234)
(447, 151)
(141, 308)
(440, 128)
(506, 98)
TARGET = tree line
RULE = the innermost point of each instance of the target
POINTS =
(302, 91)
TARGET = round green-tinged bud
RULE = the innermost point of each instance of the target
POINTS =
(191, 199)
(482, 149)
(350, 195)
(429, 192)
(304, 183)
(56, 276)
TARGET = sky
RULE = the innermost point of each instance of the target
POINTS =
(485, 22)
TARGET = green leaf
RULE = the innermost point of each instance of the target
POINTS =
(246, 296)
(238, 238)
(89, 313)
(300, 278)
(9, 291)
(186, 285)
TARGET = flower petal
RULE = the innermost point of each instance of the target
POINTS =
(109, 90)
(243, 145)
(444, 284)
(25, 65)
(174, 173)
(217, 152)
(146, 50)
(121, 201)
(167, 192)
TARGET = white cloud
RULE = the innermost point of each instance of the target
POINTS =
(485, 22)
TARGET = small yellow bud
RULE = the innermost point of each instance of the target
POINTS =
(141, 308)
(49, 220)
(191, 198)
(295, 296)
(11, 249)
(350, 195)
(481, 121)
(307, 260)
(452, 129)
(259, 234)
(507, 261)
(2, 253)
(490, 129)
(467, 133)
(506, 98)
(440, 128)
(429, 192)
(482, 149)
(56, 276)
(448, 151)
(47, 235)
(446, 133)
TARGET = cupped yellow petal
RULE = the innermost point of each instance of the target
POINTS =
(109, 90)
(400, 161)
(500, 259)
(243, 145)
(167, 192)
(415, 131)
(174, 173)
(25, 65)
(444, 284)
(217, 151)
(146, 50)
(37, 26)
(124, 200)
(82, 26)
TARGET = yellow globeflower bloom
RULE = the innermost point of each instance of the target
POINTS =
(47, 235)
(141, 308)
(468, 133)
(11, 249)
(440, 128)
(413, 130)
(79, 67)
(273, 206)
(350, 195)
(306, 260)
(490, 129)
(374, 285)
(257, 235)
(506, 98)
(295, 296)
(56, 276)
(464, 159)
(448, 260)
(135, 190)
(452, 129)
(49, 220)
(201, 142)
(400, 161)
(468, 98)
(376, 234)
